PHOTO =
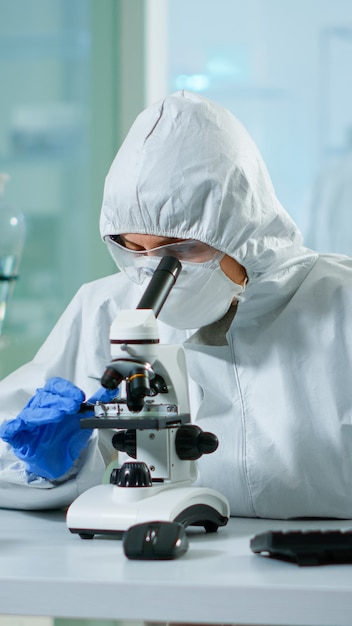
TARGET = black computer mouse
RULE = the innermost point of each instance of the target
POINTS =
(155, 541)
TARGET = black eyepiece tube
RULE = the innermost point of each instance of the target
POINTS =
(160, 285)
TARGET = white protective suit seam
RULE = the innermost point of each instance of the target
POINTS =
(243, 415)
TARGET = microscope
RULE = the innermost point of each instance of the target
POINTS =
(152, 430)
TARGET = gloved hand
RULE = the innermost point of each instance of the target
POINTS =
(47, 433)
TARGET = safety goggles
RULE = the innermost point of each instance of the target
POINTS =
(141, 263)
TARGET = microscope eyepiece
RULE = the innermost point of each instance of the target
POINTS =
(160, 284)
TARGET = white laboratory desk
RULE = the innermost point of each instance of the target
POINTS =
(46, 570)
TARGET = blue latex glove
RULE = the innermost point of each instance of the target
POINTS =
(47, 433)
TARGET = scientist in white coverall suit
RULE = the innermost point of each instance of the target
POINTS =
(265, 322)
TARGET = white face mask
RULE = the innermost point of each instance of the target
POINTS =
(201, 295)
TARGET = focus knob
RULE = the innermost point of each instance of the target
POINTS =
(133, 475)
(191, 442)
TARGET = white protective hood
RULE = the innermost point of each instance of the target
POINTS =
(189, 169)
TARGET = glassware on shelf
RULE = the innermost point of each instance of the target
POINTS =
(12, 236)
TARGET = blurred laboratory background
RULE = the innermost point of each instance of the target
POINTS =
(74, 75)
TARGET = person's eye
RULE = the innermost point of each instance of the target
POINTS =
(129, 245)
(116, 239)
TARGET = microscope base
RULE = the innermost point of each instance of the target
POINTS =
(109, 509)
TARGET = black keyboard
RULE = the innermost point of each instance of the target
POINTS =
(305, 547)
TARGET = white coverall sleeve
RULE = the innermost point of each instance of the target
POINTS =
(62, 354)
